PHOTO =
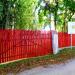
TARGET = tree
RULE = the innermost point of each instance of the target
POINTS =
(17, 14)
(35, 14)
(3, 11)
(24, 14)
(69, 10)
(49, 9)
(1, 14)
(6, 13)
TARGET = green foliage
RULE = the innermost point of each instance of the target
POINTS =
(24, 14)
(17, 13)
(63, 10)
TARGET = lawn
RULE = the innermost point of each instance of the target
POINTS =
(24, 64)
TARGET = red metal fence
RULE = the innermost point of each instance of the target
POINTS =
(64, 39)
(19, 44)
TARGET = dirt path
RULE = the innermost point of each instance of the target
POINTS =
(62, 69)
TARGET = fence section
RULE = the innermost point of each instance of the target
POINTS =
(64, 39)
(19, 44)
(73, 39)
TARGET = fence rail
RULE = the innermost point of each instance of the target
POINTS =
(17, 44)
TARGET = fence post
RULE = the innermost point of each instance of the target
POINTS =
(55, 42)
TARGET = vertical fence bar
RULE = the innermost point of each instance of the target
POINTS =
(1, 50)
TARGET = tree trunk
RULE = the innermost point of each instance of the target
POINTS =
(5, 7)
(55, 18)
(55, 13)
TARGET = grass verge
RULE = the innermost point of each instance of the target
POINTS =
(49, 59)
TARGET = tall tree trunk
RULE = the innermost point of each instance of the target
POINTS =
(55, 13)
(55, 18)
(5, 7)
(65, 21)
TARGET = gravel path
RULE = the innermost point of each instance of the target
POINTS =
(62, 69)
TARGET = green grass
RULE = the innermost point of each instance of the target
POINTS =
(49, 59)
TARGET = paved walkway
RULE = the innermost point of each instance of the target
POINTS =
(62, 69)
